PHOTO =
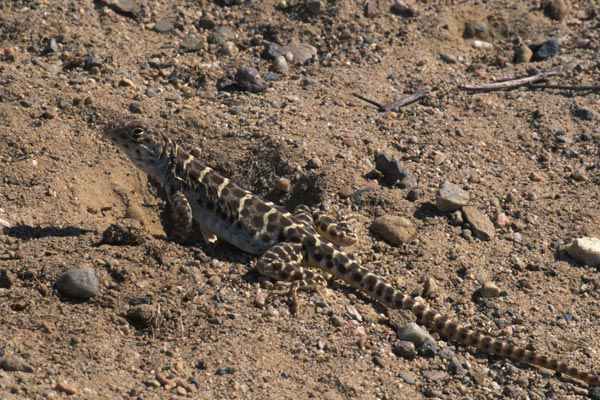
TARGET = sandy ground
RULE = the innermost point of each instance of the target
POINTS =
(531, 155)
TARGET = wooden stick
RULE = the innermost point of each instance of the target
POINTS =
(508, 84)
(397, 104)
(565, 87)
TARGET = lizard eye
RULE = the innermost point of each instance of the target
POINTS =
(137, 132)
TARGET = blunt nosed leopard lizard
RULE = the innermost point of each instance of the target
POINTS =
(288, 243)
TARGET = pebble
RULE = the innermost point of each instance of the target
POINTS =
(280, 65)
(414, 194)
(248, 79)
(80, 283)
(314, 163)
(455, 367)
(164, 25)
(477, 30)
(585, 250)
(345, 191)
(400, 8)
(489, 289)
(353, 313)
(226, 370)
(522, 54)
(379, 361)
(191, 43)
(274, 50)
(428, 349)
(408, 377)
(392, 172)
(594, 393)
(261, 298)
(405, 349)
(127, 233)
(316, 7)
(66, 388)
(414, 333)
(547, 50)
(558, 9)
(435, 376)
(220, 35)
(502, 220)
(230, 49)
(141, 316)
(7, 279)
(481, 226)
(371, 10)
(283, 185)
(450, 197)
(206, 21)
(480, 44)
(127, 7)
(301, 52)
(393, 229)
(14, 363)
(430, 288)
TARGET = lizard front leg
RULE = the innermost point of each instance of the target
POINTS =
(182, 216)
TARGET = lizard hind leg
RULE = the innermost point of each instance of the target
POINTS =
(283, 262)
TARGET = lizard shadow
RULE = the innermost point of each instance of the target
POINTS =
(27, 232)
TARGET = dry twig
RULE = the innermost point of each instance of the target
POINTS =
(397, 104)
(508, 84)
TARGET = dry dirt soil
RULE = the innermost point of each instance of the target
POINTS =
(69, 66)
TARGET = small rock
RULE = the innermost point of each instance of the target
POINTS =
(261, 298)
(557, 9)
(371, 10)
(477, 30)
(489, 289)
(141, 316)
(414, 333)
(392, 172)
(345, 192)
(430, 288)
(164, 25)
(13, 363)
(450, 197)
(7, 278)
(280, 65)
(315, 7)
(226, 370)
(78, 283)
(502, 220)
(9, 53)
(274, 50)
(66, 388)
(301, 52)
(283, 185)
(248, 79)
(207, 21)
(428, 349)
(408, 377)
(579, 175)
(481, 226)
(314, 163)
(400, 8)
(455, 367)
(547, 50)
(191, 43)
(220, 35)
(379, 361)
(414, 194)
(522, 54)
(585, 250)
(230, 49)
(405, 349)
(127, 233)
(353, 313)
(393, 229)
(126, 7)
(435, 376)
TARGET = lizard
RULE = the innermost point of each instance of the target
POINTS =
(294, 248)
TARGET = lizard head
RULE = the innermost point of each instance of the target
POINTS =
(140, 141)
